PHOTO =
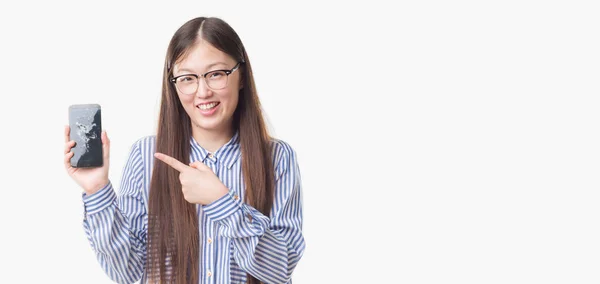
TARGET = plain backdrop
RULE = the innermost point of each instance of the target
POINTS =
(439, 141)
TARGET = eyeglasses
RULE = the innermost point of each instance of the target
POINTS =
(187, 84)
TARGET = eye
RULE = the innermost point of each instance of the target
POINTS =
(186, 79)
(216, 75)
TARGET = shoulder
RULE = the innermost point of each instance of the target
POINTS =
(141, 154)
(284, 155)
(281, 148)
(143, 147)
(145, 143)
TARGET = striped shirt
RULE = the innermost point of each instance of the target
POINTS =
(235, 238)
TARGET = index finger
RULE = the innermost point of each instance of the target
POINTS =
(174, 163)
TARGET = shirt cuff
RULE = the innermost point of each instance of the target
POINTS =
(100, 200)
(223, 207)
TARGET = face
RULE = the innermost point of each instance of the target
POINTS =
(209, 109)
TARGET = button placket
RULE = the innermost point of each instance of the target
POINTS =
(209, 249)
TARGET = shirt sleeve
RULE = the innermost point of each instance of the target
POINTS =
(268, 248)
(116, 226)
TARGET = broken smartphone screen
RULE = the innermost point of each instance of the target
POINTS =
(86, 129)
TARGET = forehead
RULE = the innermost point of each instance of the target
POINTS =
(201, 56)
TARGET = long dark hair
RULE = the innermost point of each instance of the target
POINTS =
(172, 222)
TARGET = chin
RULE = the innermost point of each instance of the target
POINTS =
(209, 125)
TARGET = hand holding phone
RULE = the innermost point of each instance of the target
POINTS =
(86, 147)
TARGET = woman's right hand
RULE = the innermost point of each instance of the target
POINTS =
(90, 179)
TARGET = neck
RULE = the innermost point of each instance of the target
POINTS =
(212, 140)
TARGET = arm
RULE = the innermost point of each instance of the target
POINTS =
(116, 226)
(267, 248)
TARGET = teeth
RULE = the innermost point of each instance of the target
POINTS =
(207, 106)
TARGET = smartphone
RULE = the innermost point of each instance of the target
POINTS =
(86, 129)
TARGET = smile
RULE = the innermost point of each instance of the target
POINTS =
(207, 106)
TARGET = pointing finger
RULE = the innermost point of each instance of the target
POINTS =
(174, 163)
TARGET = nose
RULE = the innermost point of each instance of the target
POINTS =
(203, 91)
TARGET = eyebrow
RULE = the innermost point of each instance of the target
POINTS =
(207, 67)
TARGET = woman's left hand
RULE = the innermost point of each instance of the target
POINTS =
(199, 183)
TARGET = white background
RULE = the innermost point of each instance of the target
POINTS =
(439, 141)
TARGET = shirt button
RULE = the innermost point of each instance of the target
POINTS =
(209, 274)
(210, 155)
(235, 197)
(209, 240)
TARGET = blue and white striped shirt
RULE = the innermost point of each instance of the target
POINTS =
(267, 247)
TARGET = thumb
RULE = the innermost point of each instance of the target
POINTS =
(105, 146)
(199, 165)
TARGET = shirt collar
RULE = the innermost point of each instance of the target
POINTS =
(226, 155)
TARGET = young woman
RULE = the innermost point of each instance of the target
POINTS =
(212, 198)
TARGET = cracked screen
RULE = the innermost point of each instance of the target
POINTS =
(86, 128)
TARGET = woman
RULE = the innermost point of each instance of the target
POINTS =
(223, 202)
